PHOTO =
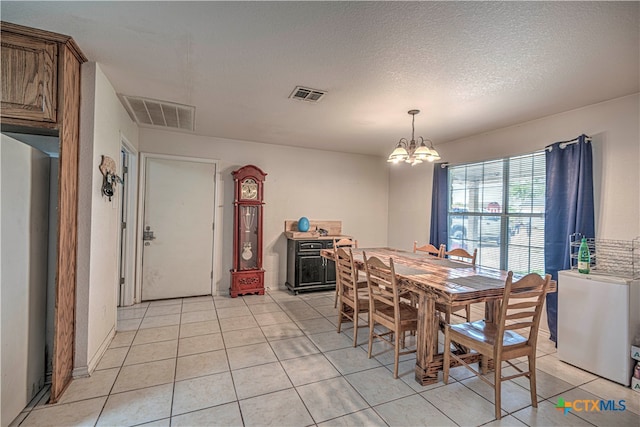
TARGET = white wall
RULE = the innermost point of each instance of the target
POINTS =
(103, 121)
(320, 185)
(613, 125)
(25, 232)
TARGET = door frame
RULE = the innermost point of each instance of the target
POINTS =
(140, 219)
(127, 263)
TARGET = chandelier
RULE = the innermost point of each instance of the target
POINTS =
(410, 152)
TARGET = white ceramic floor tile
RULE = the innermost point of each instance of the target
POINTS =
(81, 413)
(228, 302)
(377, 386)
(513, 396)
(282, 408)
(331, 398)
(308, 369)
(350, 360)
(137, 406)
(97, 385)
(165, 333)
(607, 390)
(508, 421)
(293, 347)
(227, 415)
(460, 404)
(197, 306)
(131, 313)
(200, 344)
(145, 375)
(302, 314)
(258, 299)
(315, 326)
(201, 364)
(547, 385)
(563, 371)
(270, 307)
(546, 414)
(128, 325)
(199, 328)
(243, 337)
(225, 313)
(366, 417)
(163, 310)
(237, 323)
(158, 321)
(122, 339)
(165, 302)
(272, 318)
(198, 316)
(281, 331)
(150, 352)
(327, 341)
(250, 355)
(258, 380)
(202, 392)
(112, 358)
(412, 411)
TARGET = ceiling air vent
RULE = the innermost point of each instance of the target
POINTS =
(152, 112)
(305, 94)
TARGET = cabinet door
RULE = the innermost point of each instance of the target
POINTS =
(29, 71)
(310, 270)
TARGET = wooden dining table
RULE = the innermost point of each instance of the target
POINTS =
(444, 281)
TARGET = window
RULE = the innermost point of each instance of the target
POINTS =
(498, 208)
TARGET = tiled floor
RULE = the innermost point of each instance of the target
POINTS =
(277, 360)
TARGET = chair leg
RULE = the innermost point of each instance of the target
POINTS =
(355, 327)
(498, 387)
(467, 308)
(399, 340)
(446, 356)
(372, 324)
(335, 299)
(532, 380)
(340, 317)
(447, 316)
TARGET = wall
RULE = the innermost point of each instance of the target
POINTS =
(320, 185)
(103, 122)
(613, 125)
(24, 219)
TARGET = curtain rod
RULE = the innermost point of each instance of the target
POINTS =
(563, 144)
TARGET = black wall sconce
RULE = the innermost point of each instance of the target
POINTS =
(110, 178)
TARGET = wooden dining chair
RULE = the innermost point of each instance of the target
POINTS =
(353, 299)
(430, 249)
(520, 310)
(386, 309)
(458, 254)
(345, 242)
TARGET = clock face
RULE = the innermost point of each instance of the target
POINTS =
(249, 189)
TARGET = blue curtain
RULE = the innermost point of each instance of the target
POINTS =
(439, 205)
(568, 210)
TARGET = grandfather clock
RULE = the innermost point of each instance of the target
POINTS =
(247, 275)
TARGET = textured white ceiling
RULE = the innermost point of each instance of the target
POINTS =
(470, 67)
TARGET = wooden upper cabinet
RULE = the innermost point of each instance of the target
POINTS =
(29, 77)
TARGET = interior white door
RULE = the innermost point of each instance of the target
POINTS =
(177, 257)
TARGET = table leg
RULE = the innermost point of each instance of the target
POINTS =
(426, 341)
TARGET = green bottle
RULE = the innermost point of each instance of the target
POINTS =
(584, 257)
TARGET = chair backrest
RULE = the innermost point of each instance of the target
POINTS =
(521, 306)
(383, 286)
(346, 273)
(460, 254)
(430, 249)
(345, 242)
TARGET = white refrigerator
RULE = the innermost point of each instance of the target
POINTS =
(598, 317)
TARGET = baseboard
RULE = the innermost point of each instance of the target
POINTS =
(86, 371)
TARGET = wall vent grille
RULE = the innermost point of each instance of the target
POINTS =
(154, 113)
(302, 93)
